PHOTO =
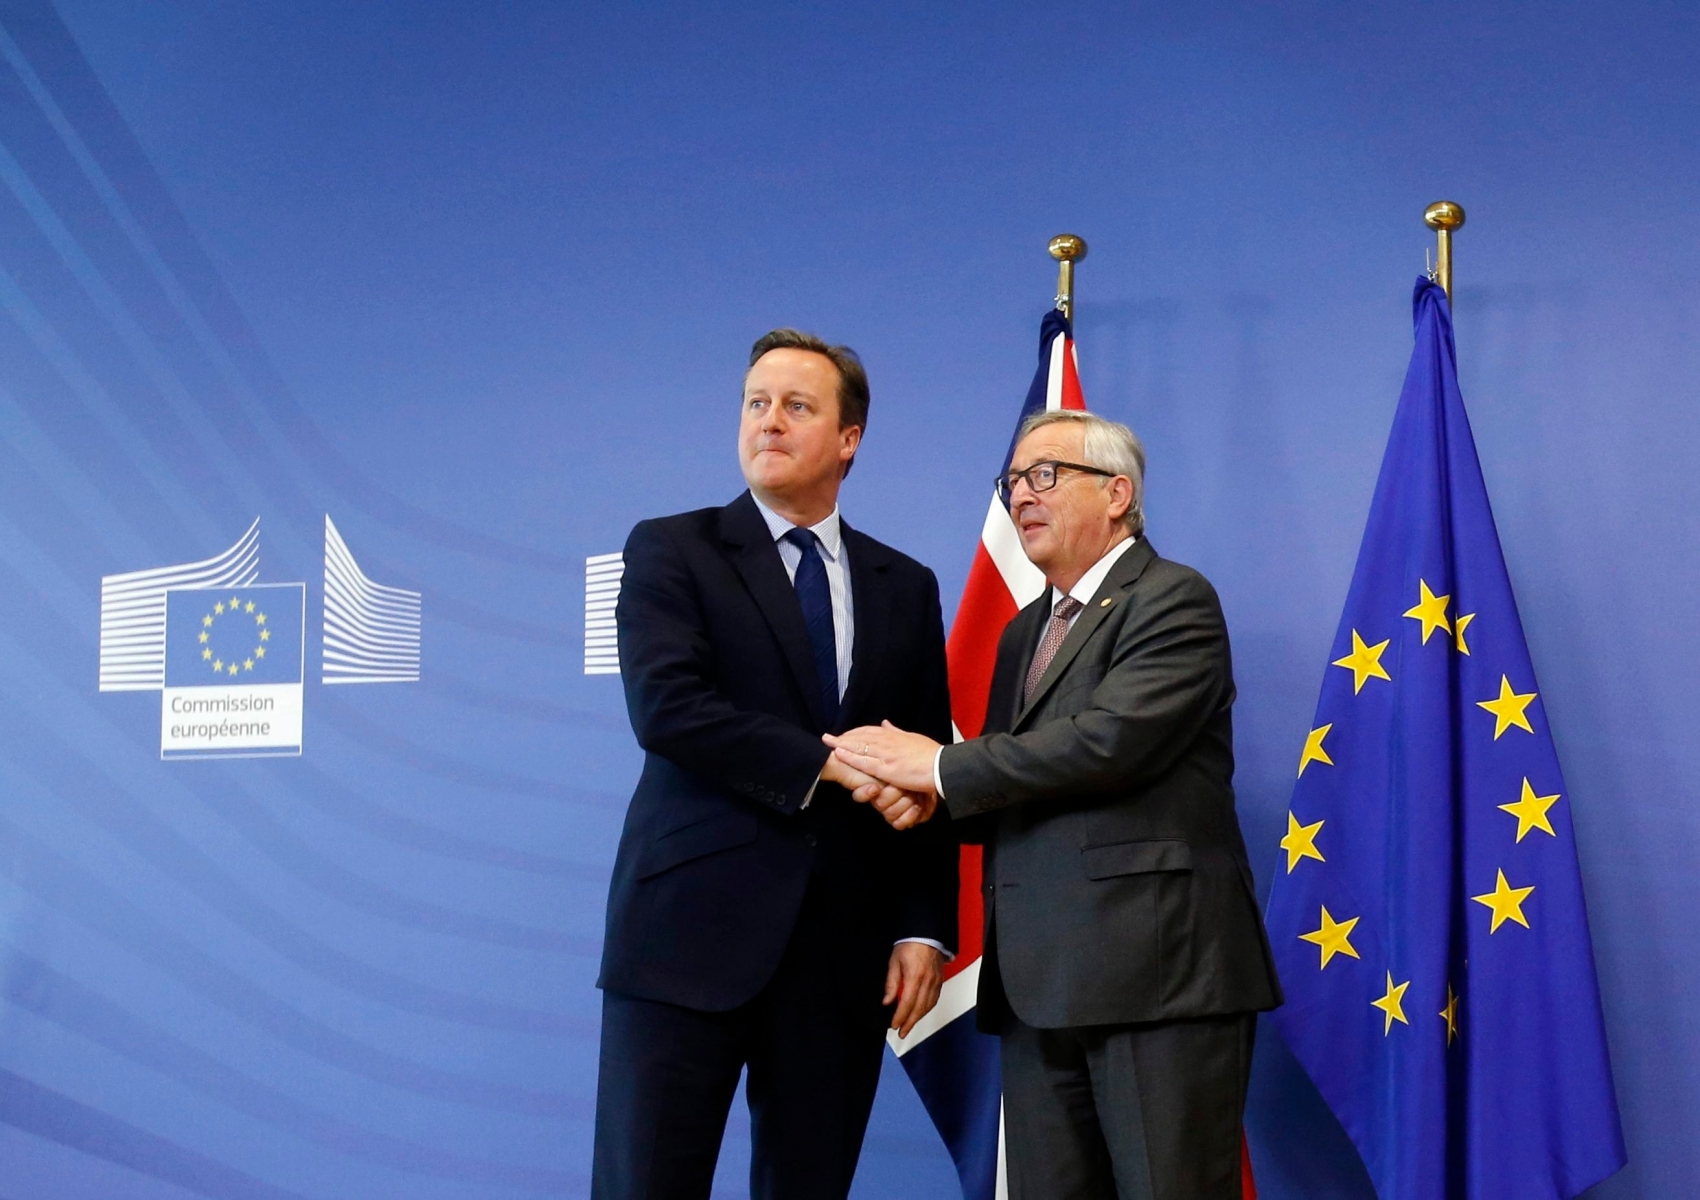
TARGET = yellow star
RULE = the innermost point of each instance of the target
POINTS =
(259, 651)
(248, 664)
(249, 607)
(1332, 937)
(1450, 1012)
(1392, 1004)
(231, 668)
(1507, 708)
(206, 653)
(1364, 662)
(1460, 626)
(235, 603)
(265, 635)
(1313, 751)
(203, 637)
(1300, 842)
(1531, 811)
(260, 619)
(219, 609)
(1430, 610)
(1506, 903)
(206, 620)
(218, 664)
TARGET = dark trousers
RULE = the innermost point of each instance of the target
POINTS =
(667, 1075)
(1126, 1112)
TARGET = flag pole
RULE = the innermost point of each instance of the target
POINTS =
(1067, 249)
(1443, 216)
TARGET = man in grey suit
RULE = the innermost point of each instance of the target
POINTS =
(1125, 958)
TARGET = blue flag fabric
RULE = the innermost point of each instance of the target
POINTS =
(1427, 914)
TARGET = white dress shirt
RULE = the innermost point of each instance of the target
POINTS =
(1083, 590)
(836, 556)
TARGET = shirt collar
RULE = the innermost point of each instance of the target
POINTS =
(828, 529)
(1088, 584)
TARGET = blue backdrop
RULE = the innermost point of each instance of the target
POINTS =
(475, 283)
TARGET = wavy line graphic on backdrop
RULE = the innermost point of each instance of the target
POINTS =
(61, 81)
(371, 631)
(36, 987)
(132, 611)
(117, 321)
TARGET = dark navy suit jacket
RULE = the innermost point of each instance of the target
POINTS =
(717, 849)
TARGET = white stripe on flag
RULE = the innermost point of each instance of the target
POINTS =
(1053, 381)
(1003, 1163)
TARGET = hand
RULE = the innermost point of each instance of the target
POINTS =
(863, 788)
(913, 980)
(905, 810)
(901, 809)
(886, 752)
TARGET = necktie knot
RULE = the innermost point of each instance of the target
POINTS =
(803, 539)
(1066, 608)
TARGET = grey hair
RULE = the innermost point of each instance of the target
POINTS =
(1109, 446)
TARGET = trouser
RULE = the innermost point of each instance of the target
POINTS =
(667, 1076)
(1126, 1112)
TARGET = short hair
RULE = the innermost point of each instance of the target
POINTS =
(1109, 446)
(852, 376)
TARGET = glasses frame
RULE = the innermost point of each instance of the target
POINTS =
(1004, 484)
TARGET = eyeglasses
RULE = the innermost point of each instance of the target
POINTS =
(1041, 477)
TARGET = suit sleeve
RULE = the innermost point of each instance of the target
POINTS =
(666, 665)
(1168, 675)
(930, 850)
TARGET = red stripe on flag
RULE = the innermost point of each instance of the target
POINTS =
(985, 609)
(970, 913)
(1072, 396)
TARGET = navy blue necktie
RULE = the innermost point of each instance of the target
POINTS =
(816, 598)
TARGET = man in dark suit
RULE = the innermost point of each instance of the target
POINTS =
(757, 917)
(1125, 958)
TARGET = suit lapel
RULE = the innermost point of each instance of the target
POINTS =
(1111, 594)
(756, 558)
(870, 601)
(1003, 705)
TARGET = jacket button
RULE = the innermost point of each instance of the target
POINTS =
(810, 839)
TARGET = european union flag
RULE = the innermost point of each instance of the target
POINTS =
(1427, 917)
(234, 636)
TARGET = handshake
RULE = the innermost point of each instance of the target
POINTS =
(888, 768)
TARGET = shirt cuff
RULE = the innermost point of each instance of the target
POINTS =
(809, 795)
(948, 956)
(938, 781)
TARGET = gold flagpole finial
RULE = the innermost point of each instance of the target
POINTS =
(1443, 216)
(1067, 249)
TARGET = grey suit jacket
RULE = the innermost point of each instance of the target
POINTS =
(1117, 886)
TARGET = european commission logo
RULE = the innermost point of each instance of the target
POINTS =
(228, 654)
(234, 662)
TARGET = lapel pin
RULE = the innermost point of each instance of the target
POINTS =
(1106, 602)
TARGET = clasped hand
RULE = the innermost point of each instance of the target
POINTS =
(884, 766)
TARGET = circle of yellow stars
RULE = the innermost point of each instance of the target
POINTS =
(235, 606)
(1509, 710)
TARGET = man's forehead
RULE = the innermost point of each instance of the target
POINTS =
(792, 369)
(1048, 441)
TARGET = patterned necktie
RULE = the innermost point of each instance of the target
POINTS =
(816, 599)
(1055, 632)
